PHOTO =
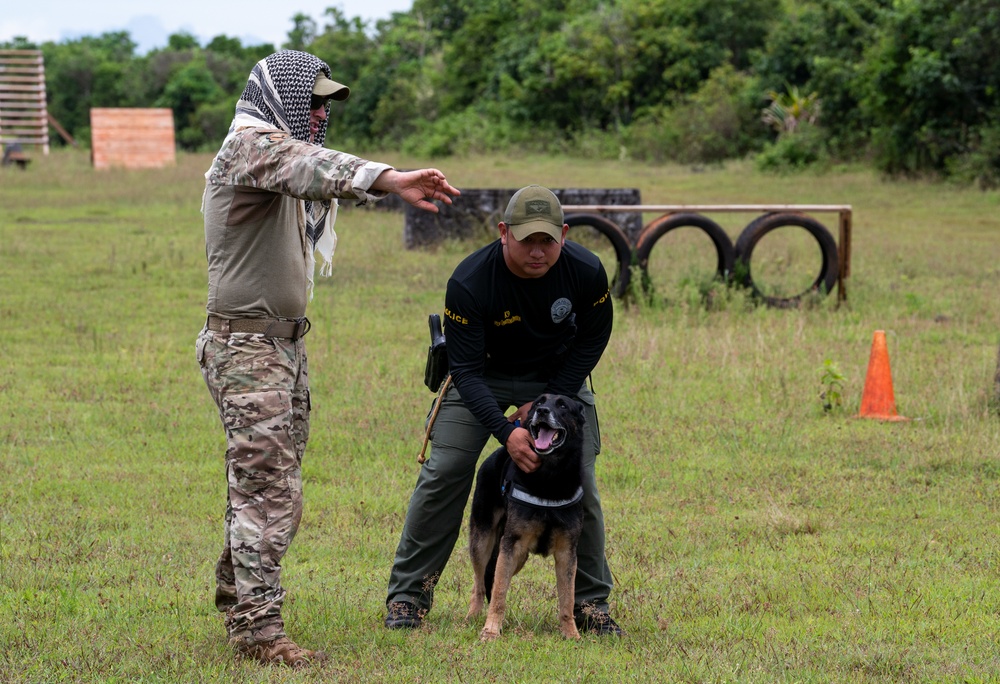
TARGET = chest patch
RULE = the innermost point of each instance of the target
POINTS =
(561, 308)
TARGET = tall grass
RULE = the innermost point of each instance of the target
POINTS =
(754, 536)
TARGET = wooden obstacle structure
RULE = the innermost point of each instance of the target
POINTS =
(132, 138)
(23, 114)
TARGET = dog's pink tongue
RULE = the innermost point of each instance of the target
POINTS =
(544, 439)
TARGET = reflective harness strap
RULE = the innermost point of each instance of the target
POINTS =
(522, 496)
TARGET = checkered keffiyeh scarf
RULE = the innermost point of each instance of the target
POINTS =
(277, 95)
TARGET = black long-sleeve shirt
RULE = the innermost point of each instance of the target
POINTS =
(498, 322)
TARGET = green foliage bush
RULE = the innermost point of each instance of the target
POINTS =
(929, 83)
(207, 126)
(794, 151)
(720, 121)
(191, 86)
(653, 137)
(589, 143)
(462, 133)
(981, 163)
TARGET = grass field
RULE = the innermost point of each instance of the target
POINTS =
(754, 536)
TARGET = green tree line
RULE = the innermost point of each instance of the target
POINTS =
(910, 86)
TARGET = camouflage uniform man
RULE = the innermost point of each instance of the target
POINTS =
(269, 206)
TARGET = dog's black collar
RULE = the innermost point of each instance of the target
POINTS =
(525, 497)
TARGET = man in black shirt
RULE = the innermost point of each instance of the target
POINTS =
(527, 314)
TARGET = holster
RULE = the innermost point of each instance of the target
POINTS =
(436, 369)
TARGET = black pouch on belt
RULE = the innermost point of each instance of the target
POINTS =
(436, 369)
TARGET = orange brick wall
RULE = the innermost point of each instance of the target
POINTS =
(132, 138)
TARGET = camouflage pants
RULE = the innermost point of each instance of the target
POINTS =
(261, 386)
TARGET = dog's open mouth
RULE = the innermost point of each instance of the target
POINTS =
(547, 437)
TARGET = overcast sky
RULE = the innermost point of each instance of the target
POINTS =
(149, 24)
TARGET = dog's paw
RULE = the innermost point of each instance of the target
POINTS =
(475, 608)
(488, 635)
(568, 628)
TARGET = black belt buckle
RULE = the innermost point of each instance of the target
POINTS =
(302, 326)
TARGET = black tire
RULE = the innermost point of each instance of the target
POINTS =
(663, 225)
(619, 242)
(825, 281)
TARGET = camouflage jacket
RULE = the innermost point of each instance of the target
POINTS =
(259, 258)
(273, 160)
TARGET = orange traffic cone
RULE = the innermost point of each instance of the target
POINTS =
(878, 400)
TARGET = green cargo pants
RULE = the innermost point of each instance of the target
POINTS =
(434, 516)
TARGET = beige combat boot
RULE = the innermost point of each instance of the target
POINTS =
(280, 651)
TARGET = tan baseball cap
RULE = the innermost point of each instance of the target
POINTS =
(332, 90)
(534, 209)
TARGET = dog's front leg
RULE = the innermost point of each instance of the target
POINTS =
(480, 548)
(477, 599)
(510, 560)
(498, 600)
(565, 557)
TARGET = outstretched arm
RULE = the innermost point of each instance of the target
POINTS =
(417, 187)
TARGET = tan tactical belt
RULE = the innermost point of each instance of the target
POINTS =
(268, 327)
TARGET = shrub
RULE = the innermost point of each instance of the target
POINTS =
(717, 122)
(465, 132)
(806, 147)
(981, 164)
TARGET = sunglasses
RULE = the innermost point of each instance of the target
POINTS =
(318, 101)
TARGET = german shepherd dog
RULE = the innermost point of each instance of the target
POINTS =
(515, 513)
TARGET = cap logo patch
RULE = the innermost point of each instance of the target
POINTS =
(533, 207)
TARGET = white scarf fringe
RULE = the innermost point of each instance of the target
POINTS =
(326, 245)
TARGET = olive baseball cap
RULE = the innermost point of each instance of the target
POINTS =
(328, 89)
(534, 209)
